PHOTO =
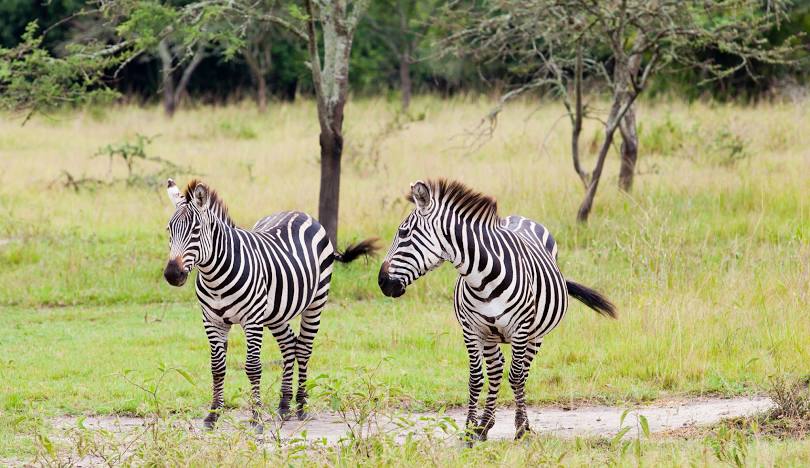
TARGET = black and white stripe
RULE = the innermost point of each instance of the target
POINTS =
(509, 288)
(257, 278)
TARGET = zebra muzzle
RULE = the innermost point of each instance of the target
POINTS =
(174, 273)
(391, 287)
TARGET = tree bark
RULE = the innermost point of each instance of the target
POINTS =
(622, 103)
(331, 81)
(629, 150)
(329, 197)
(610, 130)
(257, 74)
(169, 103)
(577, 121)
(405, 79)
(627, 125)
(182, 85)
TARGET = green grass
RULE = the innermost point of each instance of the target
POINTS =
(708, 260)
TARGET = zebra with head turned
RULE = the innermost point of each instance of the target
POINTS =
(509, 288)
(262, 277)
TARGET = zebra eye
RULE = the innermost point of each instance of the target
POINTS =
(403, 233)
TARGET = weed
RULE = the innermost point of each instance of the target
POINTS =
(133, 155)
(729, 445)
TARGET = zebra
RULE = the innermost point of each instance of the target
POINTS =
(509, 288)
(262, 277)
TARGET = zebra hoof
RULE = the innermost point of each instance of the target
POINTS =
(258, 427)
(468, 438)
(479, 434)
(284, 413)
(301, 414)
(522, 431)
(210, 421)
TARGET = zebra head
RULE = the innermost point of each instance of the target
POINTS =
(416, 248)
(189, 231)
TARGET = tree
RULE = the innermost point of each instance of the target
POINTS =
(401, 25)
(180, 36)
(619, 44)
(32, 80)
(322, 24)
(257, 49)
(258, 57)
(329, 25)
(330, 78)
(172, 60)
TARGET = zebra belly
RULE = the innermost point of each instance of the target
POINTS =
(498, 322)
(222, 312)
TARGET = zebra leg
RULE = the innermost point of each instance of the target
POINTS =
(476, 384)
(494, 358)
(286, 342)
(310, 321)
(253, 368)
(218, 341)
(522, 420)
(517, 379)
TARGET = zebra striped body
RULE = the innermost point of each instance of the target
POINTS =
(267, 275)
(259, 278)
(520, 292)
(509, 289)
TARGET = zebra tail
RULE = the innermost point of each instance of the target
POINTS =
(355, 251)
(591, 298)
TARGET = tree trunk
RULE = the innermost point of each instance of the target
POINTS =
(182, 85)
(627, 126)
(257, 74)
(331, 90)
(610, 129)
(169, 103)
(577, 122)
(405, 79)
(329, 198)
(261, 95)
(629, 150)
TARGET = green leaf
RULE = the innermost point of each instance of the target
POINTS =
(645, 425)
(618, 437)
(185, 375)
(624, 415)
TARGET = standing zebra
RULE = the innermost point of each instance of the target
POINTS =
(257, 278)
(509, 288)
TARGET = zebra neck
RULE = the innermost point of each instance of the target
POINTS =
(224, 240)
(475, 253)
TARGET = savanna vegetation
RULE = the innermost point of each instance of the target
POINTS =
(708, 260)
(691, 114)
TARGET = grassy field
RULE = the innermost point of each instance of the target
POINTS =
(708, 260)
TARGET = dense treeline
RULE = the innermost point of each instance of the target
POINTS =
(395, 45)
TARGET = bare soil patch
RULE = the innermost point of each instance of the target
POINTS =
(583, 421)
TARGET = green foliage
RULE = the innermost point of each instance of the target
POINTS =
(134, 157)
(32, 80)
(729, 445)
(146, 23)
(374, 64)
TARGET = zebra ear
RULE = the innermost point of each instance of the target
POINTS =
(420, 194)
(201, 196)
(174, 193)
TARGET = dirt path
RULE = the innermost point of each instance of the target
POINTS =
(601, 421)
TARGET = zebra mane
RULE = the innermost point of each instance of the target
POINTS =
(218, 206)
(462, 197)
